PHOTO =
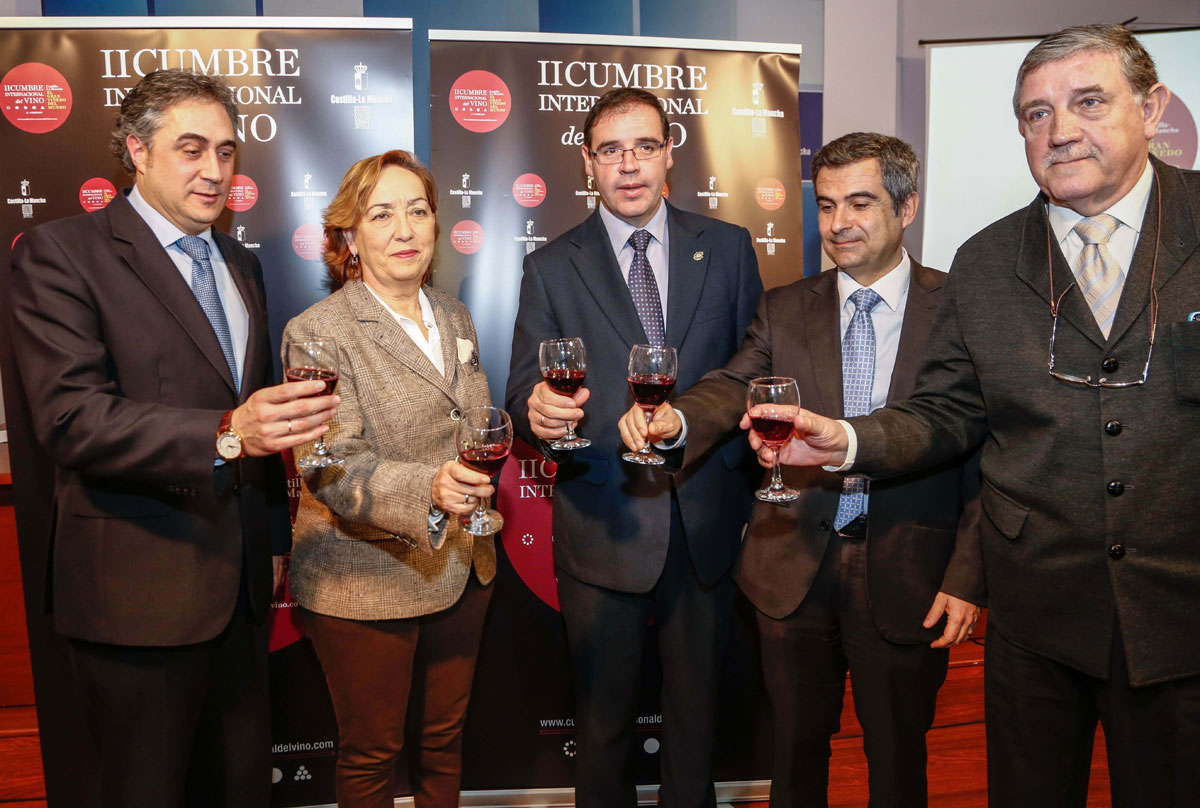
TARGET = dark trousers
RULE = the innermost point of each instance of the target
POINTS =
(805, 659)
(606, 635)
(382, 672)
(1041, 721)
(181, 726)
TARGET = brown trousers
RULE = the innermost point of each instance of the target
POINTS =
(383, 671)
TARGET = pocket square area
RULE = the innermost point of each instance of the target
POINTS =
(465, 349)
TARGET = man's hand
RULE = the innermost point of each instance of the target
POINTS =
(549, 412)
(961, 616)
(456, 488)
(664, 426)
(283, 416)
(816, 441)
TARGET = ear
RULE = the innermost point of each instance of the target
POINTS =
(349, 236)
(139, 152)
(1153, 106)
(670, 147)
(587, 160)
(908, 211)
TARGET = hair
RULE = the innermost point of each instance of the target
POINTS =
(619, 100)
(898, 163)
(144, 108)
(1136, 64)
(350, 204)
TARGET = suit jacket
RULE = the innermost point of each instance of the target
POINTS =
(1089, 494)
(914, 545)
(127, 384)
(362, 548)
(612, 518)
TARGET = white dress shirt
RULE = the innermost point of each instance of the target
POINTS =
(657, 251)
(431, 346)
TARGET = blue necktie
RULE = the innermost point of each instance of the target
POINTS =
(858, 376)
(204, 287)
(645, 290)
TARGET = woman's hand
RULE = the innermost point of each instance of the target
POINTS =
(457, 488)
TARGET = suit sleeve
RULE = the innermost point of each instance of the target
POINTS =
(389, 495)
(945, 417)
(535, 323)
(79, 413)
(964, 572)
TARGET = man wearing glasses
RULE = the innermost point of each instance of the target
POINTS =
(633, 546)
(1065, 341)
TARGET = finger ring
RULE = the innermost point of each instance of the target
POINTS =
(289, 427)
(466, 499)
(543, 419)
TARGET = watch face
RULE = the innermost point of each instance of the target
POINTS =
(229, 446)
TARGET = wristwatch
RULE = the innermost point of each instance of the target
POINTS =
(229, 443)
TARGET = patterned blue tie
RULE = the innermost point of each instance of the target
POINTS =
(645, 290)
(858, 376)
(204, 287)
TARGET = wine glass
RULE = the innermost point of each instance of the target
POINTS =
(564, 367)
(652, 371)
(772, 403)
(307, 360)
(484, 439)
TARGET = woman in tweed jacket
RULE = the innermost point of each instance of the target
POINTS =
(392, 591)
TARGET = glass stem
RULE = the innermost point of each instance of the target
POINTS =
(646, 441)
(776, 480)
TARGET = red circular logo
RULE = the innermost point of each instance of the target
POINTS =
(769, 193)
(309, 241)
(1175, 142)
(529, 190)
(243, 193)
(35, 97)
(466, 237)
(96, 193)
(480, 101)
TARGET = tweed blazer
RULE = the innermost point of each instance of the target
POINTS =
(361, 546)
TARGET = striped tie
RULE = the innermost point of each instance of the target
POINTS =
(1098, 273)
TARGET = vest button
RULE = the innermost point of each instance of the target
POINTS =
(1113, 427)
(1116, 488)
(1116, 552)
(1110, 365)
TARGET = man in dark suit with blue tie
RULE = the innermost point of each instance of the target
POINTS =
(632, 543)
(876, 581)
(141, 340)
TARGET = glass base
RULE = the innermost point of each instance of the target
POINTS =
(779, 496)
(318, 461)
(570, 444)
(650, 459)
(482, 523)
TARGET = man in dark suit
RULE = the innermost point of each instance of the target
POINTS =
(631, 543)
(878, 581)
(1069, 341)
(141, 337)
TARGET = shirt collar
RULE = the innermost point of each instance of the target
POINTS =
(427, 318)
(166, 232)
(1129, 210)
(891, 287)
(619, 230)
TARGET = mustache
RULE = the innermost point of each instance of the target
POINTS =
(1066, 154)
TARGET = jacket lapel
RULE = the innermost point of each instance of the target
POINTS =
(822, 329)
(919, 311)
(686, 271)
(138, 247)
(389, 336)
(598, 270)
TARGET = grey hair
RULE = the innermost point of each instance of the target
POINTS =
(145, 106)
(898, 163)
(1136, 64)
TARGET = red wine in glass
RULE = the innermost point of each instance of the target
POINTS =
(652, 373)
(772, 403)
(564, 367)
(330, 377)
(487, 459)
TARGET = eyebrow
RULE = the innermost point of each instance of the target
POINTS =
(636, 141)
(852, 195)
(1094, 89)
(202, 140)
(392, 205)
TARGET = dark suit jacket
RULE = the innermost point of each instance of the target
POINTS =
(612, 518)
(914, 546)
(1092, 515)
(127, 383)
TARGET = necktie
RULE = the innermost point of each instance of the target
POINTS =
(858, 376)
(204, 287)
(1098, 273)
(645, 290)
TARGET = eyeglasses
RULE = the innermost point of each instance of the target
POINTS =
(1056, 307)
(611, 155)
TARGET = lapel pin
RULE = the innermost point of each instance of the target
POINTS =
(698, 255)
(475, 360)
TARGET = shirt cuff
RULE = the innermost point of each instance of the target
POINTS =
(678, 440)
(851, 449)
